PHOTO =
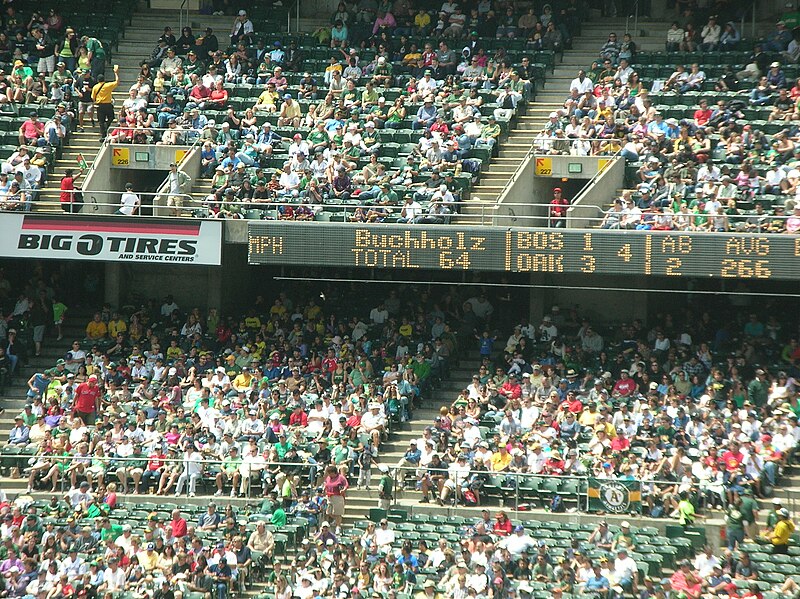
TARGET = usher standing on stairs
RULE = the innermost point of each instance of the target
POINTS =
(102, 96)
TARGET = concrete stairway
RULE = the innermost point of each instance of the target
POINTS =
(86, 144)
(551, 97)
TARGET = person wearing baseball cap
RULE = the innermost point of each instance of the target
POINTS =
(558, 209)
(773, 517)
(782, 533)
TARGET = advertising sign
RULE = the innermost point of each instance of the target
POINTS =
(111, 239)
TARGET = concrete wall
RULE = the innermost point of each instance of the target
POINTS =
(592, 202)
(534, 184)
(146, 168)
(189, 164)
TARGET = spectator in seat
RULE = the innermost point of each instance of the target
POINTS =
(779, 39)
(32, 130)
(710, 35)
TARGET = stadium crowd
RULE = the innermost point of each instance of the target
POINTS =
(328, 137)
(699, 410)
(719, 165)
(49, 68)
(304, 389)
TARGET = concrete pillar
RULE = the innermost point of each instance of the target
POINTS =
(113, 283)
(214, 288)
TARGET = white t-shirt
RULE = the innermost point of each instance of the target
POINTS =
(129, 203)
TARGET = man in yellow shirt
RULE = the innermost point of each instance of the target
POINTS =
(782, 532)
(148, 558)
(102, 96)
(116, 325)
(501, 459)
(96, 330)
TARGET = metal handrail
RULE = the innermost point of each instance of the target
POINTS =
(590, 183)
(397, 478)
(297, 17)
(90, 201)
(635, 16)
(183, 10)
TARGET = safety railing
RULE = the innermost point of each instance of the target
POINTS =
(488, 213)
(124, 135)
(105, 202)
(183, 14)
(296, 8)
(600, 147)
(586, 189)
(275, 209)
(513, 491)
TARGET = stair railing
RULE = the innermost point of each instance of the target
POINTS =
(751, 12)
(635, 17)
(183, 14)
(296, 18)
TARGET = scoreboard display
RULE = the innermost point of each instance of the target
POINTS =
(520, 250)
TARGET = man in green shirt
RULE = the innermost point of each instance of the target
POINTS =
(773, 517)
(490, 133)
(686, 513)
(370, 139)
(734, 523)
(278, 516)
(341, 453)
(97, 55)
(27, 415)
(369, 96)
(32, 524)
(318, 138)
(282, 446)
(624, 539)
(382, 75)
(385, 487)
(758, 389)
(23, 70)
(109, 530)
(230, 471)
(749, 509)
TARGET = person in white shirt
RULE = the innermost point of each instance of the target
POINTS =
(373, 423)
(30, 172)
(124, 540)
(384, 536)
(472, 434)
(626, 571)
(252, 427)
(192, 471)
(536, 459)
(705, 562)
(289, 181)
(438, 555)
(518, 543)
(129, 202)
(457, 474)
(582, 83)
(379, 314)
(113, 577)
(317, 416)
(411, 210)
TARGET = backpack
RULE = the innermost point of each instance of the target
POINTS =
(557, 505)
(470, 498)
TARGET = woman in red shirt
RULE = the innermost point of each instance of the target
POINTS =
(502, 525)
(68, 195)
(335, 487)
(219, 96)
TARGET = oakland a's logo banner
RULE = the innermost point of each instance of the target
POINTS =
(615, 496)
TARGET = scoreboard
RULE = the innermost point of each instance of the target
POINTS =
(643, 253)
